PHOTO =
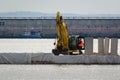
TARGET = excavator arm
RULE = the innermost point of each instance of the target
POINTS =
(62, 36)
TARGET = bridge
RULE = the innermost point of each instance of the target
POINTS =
(12, 27)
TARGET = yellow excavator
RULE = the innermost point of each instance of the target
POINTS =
(66, 44)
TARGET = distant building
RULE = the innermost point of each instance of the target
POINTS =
(85, 26)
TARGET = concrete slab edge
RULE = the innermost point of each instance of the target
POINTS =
(49, 58)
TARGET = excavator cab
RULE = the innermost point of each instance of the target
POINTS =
(74, 41)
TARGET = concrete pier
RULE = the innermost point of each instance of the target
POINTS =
(49, 58)
(114, 46)
(89, 46)
(101, 46)
(106, 46)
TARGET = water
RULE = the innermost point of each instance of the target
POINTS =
(59, 72)
(26, 45)
(33, 45)
(51, 72)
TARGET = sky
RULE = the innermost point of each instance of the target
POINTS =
(64, 6)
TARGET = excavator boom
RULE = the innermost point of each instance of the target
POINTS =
(62, 35)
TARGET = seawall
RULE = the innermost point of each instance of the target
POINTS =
(49, 58)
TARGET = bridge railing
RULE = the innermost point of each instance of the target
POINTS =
(65, 17)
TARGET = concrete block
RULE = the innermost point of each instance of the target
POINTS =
(100, 46)
(15, 58)
(49, 58)
(106, 46)
(114, 46)
(89, 46)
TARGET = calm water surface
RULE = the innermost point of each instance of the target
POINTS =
(34, 45)
(59, 72)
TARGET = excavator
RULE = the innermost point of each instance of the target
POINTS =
(66, 44)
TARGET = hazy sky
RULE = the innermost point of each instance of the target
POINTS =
(64, 6)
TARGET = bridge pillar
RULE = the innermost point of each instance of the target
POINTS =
(101, 46)
(106, 46)
(89, 46)
(114, 46)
